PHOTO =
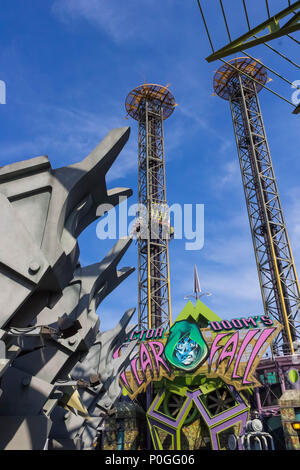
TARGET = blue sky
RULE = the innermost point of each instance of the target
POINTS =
(68, 66)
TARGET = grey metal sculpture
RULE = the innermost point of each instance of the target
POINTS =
(49, 329)
(98, 379)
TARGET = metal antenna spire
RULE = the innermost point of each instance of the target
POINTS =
(197, 288)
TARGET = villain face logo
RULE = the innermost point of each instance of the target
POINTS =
(186, 348)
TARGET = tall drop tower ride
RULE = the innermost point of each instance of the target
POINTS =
(239, 82)
(150, 105)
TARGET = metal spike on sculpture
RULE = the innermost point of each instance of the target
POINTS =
(276, 269)
(150, 105)
(58, 373)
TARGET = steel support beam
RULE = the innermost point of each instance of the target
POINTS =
(275, 264)
(154, 279)
(249, 39)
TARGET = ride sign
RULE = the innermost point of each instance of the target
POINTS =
(227, 349)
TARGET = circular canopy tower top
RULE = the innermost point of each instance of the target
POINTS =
(158, 94)
(226, 73)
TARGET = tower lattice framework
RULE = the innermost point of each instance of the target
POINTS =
(239, 83)
(150, 105)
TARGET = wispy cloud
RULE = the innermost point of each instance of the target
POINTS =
(227, 265)
(67, 135)
(235, 288)
(111, 17)
(228, 174)
(98, 12)
(231, 251)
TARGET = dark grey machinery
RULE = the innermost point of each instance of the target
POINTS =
(58, 377)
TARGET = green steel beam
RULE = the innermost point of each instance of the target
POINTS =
(297, 109)
(275, 31)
